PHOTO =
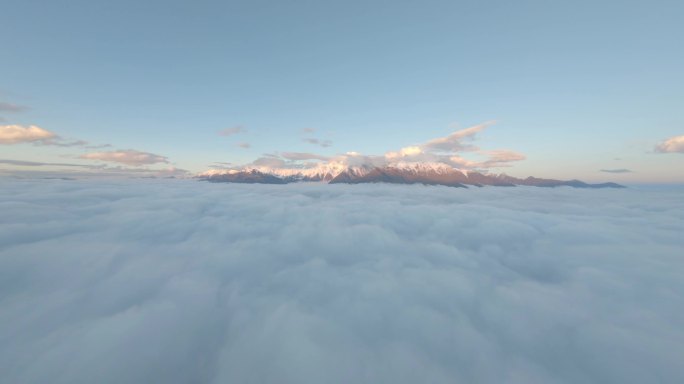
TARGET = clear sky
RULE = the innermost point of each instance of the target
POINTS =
(575, 86)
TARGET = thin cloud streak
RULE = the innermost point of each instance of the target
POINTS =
(232, 131)
(322, 143)
(619, 170)
(128, 157)
(40, 164)
(13, 108)
(295, 156)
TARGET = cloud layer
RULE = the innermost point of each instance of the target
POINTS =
(184, 281)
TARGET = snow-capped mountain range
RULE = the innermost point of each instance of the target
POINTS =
(428, 173)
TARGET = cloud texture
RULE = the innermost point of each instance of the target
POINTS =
(19, 134)
(454, 150)
(450, 150)
(182, 281)
(14, 134)
(671, 145)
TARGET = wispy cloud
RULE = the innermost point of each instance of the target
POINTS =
(495, 159)
(672, 145)
(41, 164)
(295, 156)
(244, 145)
(59, 142)
(85, 170)
(233, 131)
(619, 170)
(9, 107)
(313, 140)
(454, 142)
(98, 146)
(221, 165)
(128, 157)
(322, 143)
(269, 161)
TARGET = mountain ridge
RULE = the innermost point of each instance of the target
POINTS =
(416, 173)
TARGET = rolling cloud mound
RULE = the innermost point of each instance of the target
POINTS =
(178, 281)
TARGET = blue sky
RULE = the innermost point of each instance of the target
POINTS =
(574, 86)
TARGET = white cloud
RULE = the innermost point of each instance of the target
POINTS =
(671, 145)
(232, 131)
(17, 134)
(404, 153)
(14, 134)
(128, 157)
(449, 150)
(184, 281)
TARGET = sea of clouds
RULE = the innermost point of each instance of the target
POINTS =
(182, 281)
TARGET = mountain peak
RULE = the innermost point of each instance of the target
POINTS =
(396, 173)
